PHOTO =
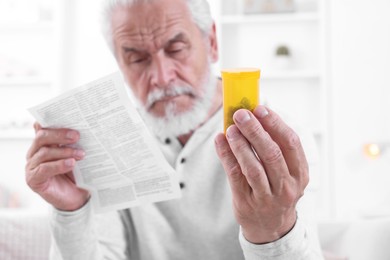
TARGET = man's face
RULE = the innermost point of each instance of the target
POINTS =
(159, 48)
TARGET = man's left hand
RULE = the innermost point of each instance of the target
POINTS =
(267, 171)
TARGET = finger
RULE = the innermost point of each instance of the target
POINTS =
(248, 161)
(265, 147)
(44, 171)
(237, 180)
(47, 137)
(287, 140)
(46, 154)
(37, 126)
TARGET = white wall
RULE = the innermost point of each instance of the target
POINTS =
(360, 63)
(86, 56)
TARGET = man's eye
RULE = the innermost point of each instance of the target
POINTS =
(137, 58)
(176, 47)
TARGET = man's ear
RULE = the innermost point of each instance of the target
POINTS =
(213, 51)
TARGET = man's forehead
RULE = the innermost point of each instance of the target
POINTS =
(141, 38)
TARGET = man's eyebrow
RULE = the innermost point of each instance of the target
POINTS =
(176, 38)
(127, 49)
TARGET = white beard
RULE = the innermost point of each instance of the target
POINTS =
(176, 123)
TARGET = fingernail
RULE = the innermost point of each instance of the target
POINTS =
(242, 115)
(69, 162)
(261, 112)
(79, 153)
(232, 132)
(71, 135)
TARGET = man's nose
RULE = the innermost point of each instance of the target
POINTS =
(162, 71)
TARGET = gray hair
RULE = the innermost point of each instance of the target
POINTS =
(199, 9)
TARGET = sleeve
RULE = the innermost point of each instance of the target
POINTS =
(82, 235)
(298, 244)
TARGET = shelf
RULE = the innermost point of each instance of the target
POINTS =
(18, 134)
(317, 132)
(26, 27)
(34, 81)
(290, 74)
(270, 18)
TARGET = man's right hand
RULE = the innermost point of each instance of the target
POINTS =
(50, 162)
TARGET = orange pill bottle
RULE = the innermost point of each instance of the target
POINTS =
(241, 89)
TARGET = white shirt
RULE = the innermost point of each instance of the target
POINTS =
(200, 225)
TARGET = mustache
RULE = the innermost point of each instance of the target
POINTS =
(175, 90)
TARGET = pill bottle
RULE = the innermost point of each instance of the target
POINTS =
(240, 90)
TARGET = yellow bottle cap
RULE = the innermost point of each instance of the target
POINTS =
(241, 73)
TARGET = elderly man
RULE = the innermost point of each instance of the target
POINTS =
(240, 191)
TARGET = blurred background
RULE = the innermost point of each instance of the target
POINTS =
(324, 62)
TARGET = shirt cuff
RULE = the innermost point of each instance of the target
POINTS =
(72, 228)
(287, 247)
